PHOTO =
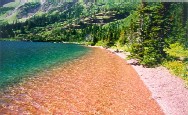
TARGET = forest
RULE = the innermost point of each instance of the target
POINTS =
(155, 33)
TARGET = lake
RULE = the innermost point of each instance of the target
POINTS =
(19, 60)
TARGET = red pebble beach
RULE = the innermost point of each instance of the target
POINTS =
(98, 83)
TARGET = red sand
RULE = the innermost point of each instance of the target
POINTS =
(99, 83)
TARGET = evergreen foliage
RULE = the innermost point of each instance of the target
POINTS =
(157, 29)
(147, 31)
(3, 10)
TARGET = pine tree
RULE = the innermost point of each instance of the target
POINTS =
(154, 29)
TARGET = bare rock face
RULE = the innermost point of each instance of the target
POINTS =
(26, 9)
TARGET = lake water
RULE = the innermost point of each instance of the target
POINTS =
(19, 60)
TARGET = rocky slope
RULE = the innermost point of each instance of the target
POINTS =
(2, 2)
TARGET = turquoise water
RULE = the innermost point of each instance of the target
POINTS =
(23, 59)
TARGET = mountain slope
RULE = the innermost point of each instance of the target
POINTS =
(143, 29)
(53, 20)
(2, 2)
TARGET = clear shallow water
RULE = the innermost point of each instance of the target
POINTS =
(19, 60)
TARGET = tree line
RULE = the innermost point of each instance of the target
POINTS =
(147, 30)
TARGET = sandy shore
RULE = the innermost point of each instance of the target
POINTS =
(168, 90)
(98, 83)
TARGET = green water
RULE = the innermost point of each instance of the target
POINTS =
(19, 60)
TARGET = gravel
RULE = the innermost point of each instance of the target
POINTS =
(168, 90)
(97, 83)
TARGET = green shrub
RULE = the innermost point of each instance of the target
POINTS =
(5, 9)
(135, 51)
(102, 43)
(151, 57)
(178, 68)
(89, 43)
(177, 50)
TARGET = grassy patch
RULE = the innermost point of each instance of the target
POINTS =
(13, 4)
(177, 50)
(177, 62)
(102, 43)
(8, 39)
(178, 68)
(3, 10)
(102, 17)
(11, 18)
(123, 48)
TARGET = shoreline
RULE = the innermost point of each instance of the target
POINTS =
(168, 90)
(99, 83)
(14, 72)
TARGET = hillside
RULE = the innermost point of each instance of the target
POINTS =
(152, 32)
(153, 35)
(21, 10)
(2, 2)
(14, 7)
(47, 18)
